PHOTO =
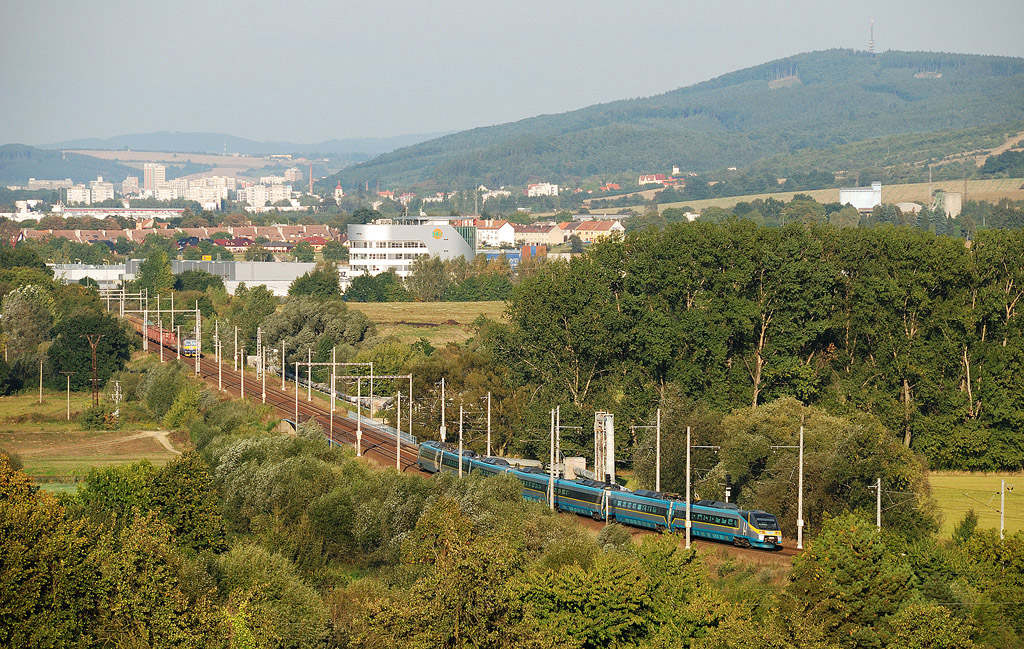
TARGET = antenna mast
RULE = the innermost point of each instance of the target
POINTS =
(871, 40)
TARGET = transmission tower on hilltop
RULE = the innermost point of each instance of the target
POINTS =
(871, 39)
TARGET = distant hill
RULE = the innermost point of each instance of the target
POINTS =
(808, 102)
(19, 162)
(352, 149)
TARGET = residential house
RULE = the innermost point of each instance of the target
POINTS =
(538, 234)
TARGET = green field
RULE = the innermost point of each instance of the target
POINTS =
(955, 493)
(991, 190)
(438, 322)
(54, 450)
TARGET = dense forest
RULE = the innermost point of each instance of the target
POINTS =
(831, 99)
(921, 330)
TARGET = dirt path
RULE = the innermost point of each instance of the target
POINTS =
(160, 436)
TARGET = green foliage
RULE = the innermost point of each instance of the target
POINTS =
(335, 251)
(72, 352)
(966, 527)
(155, 273)
(258, 253)
(48, 594)
(100, 417)
(197, 280)
(842, 98)
(321, 282)
(270, 603)
(27, 317)
(385, 287)
(183, 495)
(847, 586)
(185, 407)
(303, 252)
(114, 495)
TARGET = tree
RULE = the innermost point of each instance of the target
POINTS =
(308, 322)
(575, 244)
(335, 251)
(258, 253)
(321, 282)
(155, 274)
(303, 252)
(182, 493)
(27, 317)
(384, 287)
(847, 586)
(49, 593)
(268, 602)
(197, 280)
(71, 351)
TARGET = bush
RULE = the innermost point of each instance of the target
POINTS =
(100, 417)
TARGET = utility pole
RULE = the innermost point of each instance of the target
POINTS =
(94, 340)
(68, 374)
(234, 350)
(558, 434)
(488, 424)
(551, 465)
(1002, 508)
(199, 338)
(689, 523)
(442, 411)
(263, 373)
(398, 432)
(309, 376)
(878, 504)
(460, 440)
(40, 380)
(241, 374)
(800, 496)
(800, 489)
(282, 365)
(359, 418)
(220, 367)
(178, 343)
(657, 453)
(296, 396)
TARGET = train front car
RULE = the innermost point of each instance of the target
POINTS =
(763, 529)
(189, 347)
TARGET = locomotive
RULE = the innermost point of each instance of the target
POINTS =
(611, 502)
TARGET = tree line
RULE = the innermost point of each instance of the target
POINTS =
(923, 331)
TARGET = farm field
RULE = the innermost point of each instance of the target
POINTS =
(991, 189)
(55, 451)
(439, 323)
(955, 493)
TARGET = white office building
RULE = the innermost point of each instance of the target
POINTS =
(79, 194)
(394, 244)
(864, 199)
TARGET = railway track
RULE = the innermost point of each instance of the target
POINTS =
(377, 445)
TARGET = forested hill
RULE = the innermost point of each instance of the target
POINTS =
(808, 101)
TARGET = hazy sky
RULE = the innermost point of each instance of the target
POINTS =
(309, 70)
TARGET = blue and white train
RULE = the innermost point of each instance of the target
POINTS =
(610, 502)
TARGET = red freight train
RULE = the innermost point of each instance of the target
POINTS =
(155, 333)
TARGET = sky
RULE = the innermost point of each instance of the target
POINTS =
(312, 70)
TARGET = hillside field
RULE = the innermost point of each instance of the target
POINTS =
(439, 323)
(55, 451)
(955, 493)
(990, 189)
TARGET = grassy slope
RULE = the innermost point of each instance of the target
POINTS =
(53, 448)
(439, 322)
(955, 493)
(988, 190)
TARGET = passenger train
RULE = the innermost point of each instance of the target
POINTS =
(611, 502)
